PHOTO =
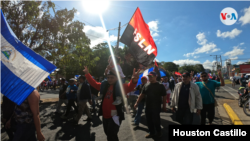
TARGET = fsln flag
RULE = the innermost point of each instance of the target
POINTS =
(22, 70)
(137, 37)
(146, 72)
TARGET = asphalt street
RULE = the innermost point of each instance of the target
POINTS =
(55, 128)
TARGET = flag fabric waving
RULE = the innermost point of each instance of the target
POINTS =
(146, 72)
(177, 73)
(22, 70)
(137, 37)
(49, 78)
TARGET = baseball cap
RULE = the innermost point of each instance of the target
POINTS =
(63, 79)
(144, 77)
(72, 79)
(186, 74)
(152, 73)
(111, 73)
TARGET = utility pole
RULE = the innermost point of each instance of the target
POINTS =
(220, 62)
(118, 39)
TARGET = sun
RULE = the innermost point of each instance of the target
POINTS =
(94, 6)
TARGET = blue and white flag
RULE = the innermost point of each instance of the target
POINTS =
(146, 72)
(49, 78)
(22, 70)
(77, 76)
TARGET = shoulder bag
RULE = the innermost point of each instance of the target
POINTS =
(215, 102)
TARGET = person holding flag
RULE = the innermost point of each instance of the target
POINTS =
(112, 114)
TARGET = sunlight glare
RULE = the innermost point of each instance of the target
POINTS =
(96, 7)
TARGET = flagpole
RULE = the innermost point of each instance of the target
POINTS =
(118, 39)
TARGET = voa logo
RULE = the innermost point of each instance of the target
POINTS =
(228, 16)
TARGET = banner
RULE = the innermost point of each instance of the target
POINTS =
(22, 70)
(137, 37)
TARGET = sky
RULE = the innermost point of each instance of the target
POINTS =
(184, 32)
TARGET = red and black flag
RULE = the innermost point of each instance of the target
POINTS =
(157, 71)
(137, 37)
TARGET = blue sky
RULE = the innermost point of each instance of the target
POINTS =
(184, 32)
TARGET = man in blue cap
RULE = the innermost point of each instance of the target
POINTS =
(154, 91)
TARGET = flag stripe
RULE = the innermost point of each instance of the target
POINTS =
(23, 68)
(12, 84)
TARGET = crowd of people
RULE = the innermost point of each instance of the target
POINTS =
(188, 96)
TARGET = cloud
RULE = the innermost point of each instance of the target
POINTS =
(187, 61)
(153, 27)
(242, 43)
(240, 62)
(246, 18)
(235, 52)
(196, 57)
(233, 58)
(208, 65)
(98, 35)
(235, 32)
(206, 47)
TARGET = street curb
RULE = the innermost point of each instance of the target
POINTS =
(235, 119)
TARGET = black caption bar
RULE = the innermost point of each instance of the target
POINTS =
(198, 132)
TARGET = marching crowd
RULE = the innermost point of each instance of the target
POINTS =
(188, 95)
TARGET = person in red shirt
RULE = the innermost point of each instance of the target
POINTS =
(112, 114)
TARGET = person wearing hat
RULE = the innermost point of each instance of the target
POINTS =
(137, 119)
(62, 96)
(113, 115)
(185, 99)
(154, 91)
(71, 96)
(207, 89)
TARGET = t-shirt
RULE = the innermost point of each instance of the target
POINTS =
(69, 94)
(207, 98)
(153, 93)
(184, 96)
(166, 85)
(139, 87)
(243, 82)
(108, 109)
(119, 69)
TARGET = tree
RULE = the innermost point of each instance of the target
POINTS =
(198, 68)
(49, 35)
(170, 66)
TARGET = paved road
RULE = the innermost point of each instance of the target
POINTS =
(44, 95)
(54, 128)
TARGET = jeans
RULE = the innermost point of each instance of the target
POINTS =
(71, 102)
(111, 129)
(207, 111)
(139, 112)
(131, 101)
(25, 132)
(93, 101)
(184, 116)
(153, 120)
